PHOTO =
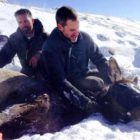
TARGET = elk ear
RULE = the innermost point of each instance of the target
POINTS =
(60, 27)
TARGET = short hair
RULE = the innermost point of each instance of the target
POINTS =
(64, 13)
(23, 11)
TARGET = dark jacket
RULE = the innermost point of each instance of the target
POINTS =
(24, 48)
(66, 60)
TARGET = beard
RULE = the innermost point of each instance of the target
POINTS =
(27, 31)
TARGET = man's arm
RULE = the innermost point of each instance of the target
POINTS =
(36, 57)
(100, 61)
(7, 53)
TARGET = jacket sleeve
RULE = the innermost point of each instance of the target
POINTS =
(100, 61)
(53, 67)
(44, 37)
(7, 53)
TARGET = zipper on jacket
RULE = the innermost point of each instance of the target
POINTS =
(69, 59)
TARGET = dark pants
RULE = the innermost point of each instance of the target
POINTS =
(90, 86)
(92, 83)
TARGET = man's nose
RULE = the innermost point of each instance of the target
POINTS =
(76, 33)
(22, 25)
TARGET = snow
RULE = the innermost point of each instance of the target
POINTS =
(122, 36)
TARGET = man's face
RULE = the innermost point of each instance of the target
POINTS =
(25, 23)
(70, 30)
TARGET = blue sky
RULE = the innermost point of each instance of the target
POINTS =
(119, 8)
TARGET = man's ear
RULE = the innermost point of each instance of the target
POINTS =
(60, 27)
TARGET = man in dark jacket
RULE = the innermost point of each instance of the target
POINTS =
(66, 54)
(26, 42)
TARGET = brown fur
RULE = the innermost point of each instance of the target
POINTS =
(28, 114)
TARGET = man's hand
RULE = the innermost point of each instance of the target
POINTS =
(34, 61)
